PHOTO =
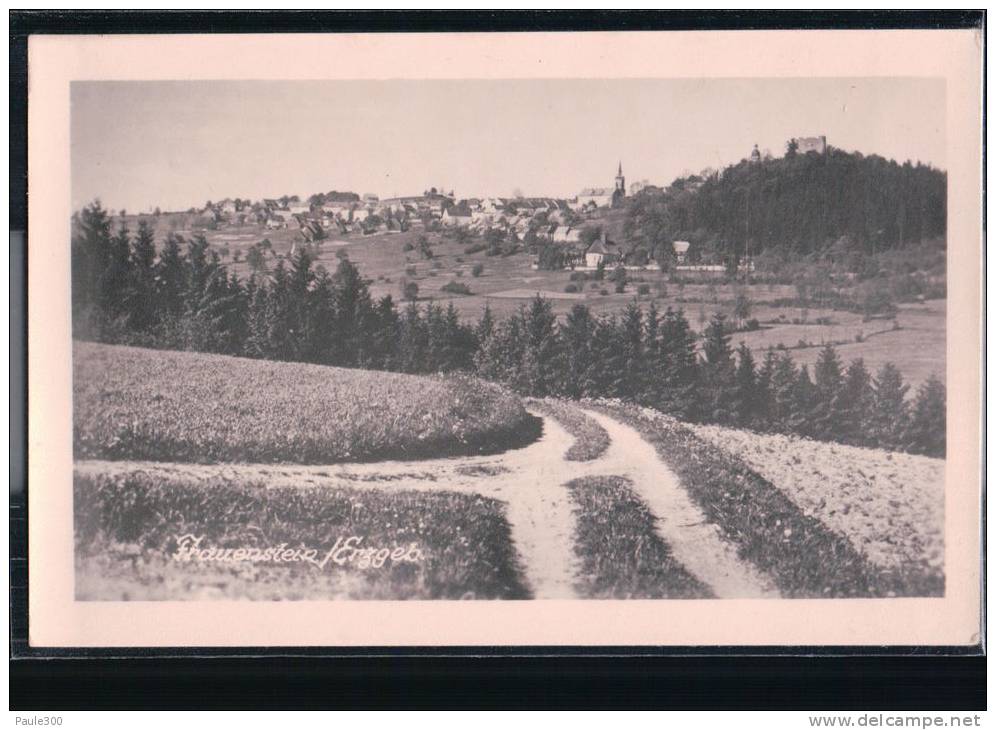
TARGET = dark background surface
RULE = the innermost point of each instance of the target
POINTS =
(801, 678)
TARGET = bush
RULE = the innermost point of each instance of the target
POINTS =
(579, 276)
(643, 290)
(604, 292)
(751, 325)
(408, 247)
(620, 287)
(455, 287)
(477, 270)
(571, 289)
(409, 290)
(476, 248)
(411, 270)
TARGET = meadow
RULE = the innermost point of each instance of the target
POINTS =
(134, 403)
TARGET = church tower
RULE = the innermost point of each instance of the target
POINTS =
(620, 182)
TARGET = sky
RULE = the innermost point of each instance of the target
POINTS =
(137, 145)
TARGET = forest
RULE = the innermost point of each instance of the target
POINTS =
(796, 205)
(180, 296)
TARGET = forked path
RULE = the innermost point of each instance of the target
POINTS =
(530, 481)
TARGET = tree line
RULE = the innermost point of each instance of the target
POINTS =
(183, 297)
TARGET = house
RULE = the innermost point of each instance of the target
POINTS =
(681, 250)
(271, 204)
(566, 234)
(600, 252)
(311, 230)
(457, 215)
(298, 209)
(276, 221)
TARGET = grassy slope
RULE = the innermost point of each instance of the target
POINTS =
(621, 555)
(590, 439)
(126, 531)
(132, 403)
(803, 556)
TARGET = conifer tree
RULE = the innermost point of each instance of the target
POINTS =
(856, 399)
(745, 402)
(927, 427)
(828, 407)
(576, 336)
(141, 299)
(890, 412)
(718, 372)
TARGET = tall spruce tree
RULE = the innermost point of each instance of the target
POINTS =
(576, 336)
(927, 429)
(746, 396)
(828, 408)
(718, 372)
(890, 411)
(857, 398)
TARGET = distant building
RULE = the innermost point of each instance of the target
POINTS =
(600, 252)
(811, 144)
(603, 197)
(681, 250)
(457, 215)
(755, 154)
(636, 187)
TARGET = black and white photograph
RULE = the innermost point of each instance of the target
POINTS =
(509, 339)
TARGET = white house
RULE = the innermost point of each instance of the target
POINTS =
(600, 252)
(457, 215)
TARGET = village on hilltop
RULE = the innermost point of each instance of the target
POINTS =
(529, 220)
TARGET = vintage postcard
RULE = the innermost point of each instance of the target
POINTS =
(525, 339)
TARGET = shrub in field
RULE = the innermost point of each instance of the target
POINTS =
(131, 403)
(455, 287)
(571, 288)
(409, 290)
(127, 527)
(477, 270)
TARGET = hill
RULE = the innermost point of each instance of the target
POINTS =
(797, 204)
(133, 403)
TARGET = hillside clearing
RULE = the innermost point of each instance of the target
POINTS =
(133, 403)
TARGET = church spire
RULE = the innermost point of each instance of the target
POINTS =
(619, 174)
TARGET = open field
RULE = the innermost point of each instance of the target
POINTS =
(129, 531)
(133, 403)
(889, 505)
